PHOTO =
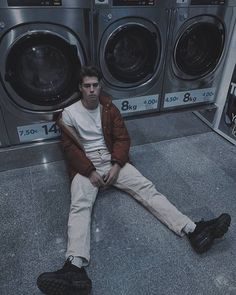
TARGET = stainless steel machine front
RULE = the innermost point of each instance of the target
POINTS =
(197, 50)
(43, 44)
(130, 40)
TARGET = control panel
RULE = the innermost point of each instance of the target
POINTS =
(208, 2)
(133, 2)
(30, 3)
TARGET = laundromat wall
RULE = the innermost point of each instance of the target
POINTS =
(155, 57)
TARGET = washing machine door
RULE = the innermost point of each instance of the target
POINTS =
(198, 48)
(130, 53)
(41, 66)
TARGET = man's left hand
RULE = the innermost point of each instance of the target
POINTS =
(112, 175)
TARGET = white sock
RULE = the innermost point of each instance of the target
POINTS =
(189, 228)
(77, 261)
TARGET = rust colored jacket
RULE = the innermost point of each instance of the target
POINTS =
(115, 134)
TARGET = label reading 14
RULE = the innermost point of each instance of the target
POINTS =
(189, 97)
(39, 131)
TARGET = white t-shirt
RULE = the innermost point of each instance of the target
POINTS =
(87, 123)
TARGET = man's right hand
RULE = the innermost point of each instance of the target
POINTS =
(96, 179)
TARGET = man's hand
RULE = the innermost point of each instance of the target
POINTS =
(96, 179)
(112, 175)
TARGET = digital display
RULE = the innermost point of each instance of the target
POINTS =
(34, 2)
(134, 2)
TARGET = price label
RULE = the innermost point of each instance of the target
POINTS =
(39, 131)
(137, 104)
(189, 97)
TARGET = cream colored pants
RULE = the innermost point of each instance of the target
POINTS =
(130, 180)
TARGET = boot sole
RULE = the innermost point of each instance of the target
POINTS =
(221, 226)
(206, 238)
(59, 287)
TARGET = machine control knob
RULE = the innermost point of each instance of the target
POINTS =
(109, 16)
(183, 17)
(101, 1)
(2, 25)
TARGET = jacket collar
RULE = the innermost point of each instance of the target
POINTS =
(105, 99)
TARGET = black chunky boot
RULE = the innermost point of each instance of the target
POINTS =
(70, 280)
(207, 231)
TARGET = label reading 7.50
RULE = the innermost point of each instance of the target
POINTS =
(39, 131)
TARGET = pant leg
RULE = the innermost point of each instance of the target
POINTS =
(83, 195)
(144, 191)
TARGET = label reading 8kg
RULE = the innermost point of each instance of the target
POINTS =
(137, 104)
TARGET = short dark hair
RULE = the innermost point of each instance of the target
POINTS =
(89, 71)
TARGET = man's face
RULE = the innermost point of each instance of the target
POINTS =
(90, 89)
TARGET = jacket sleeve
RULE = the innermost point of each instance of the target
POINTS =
(120, 138)
(74, 153)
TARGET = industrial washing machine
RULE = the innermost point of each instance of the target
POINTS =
(197, 49)
(43, 43)
(129, 41)
(222, 118)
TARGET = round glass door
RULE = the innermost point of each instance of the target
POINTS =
(42, 68)
(199, 49)
(132, 54)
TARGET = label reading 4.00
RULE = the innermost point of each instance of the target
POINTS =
(39, 131)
